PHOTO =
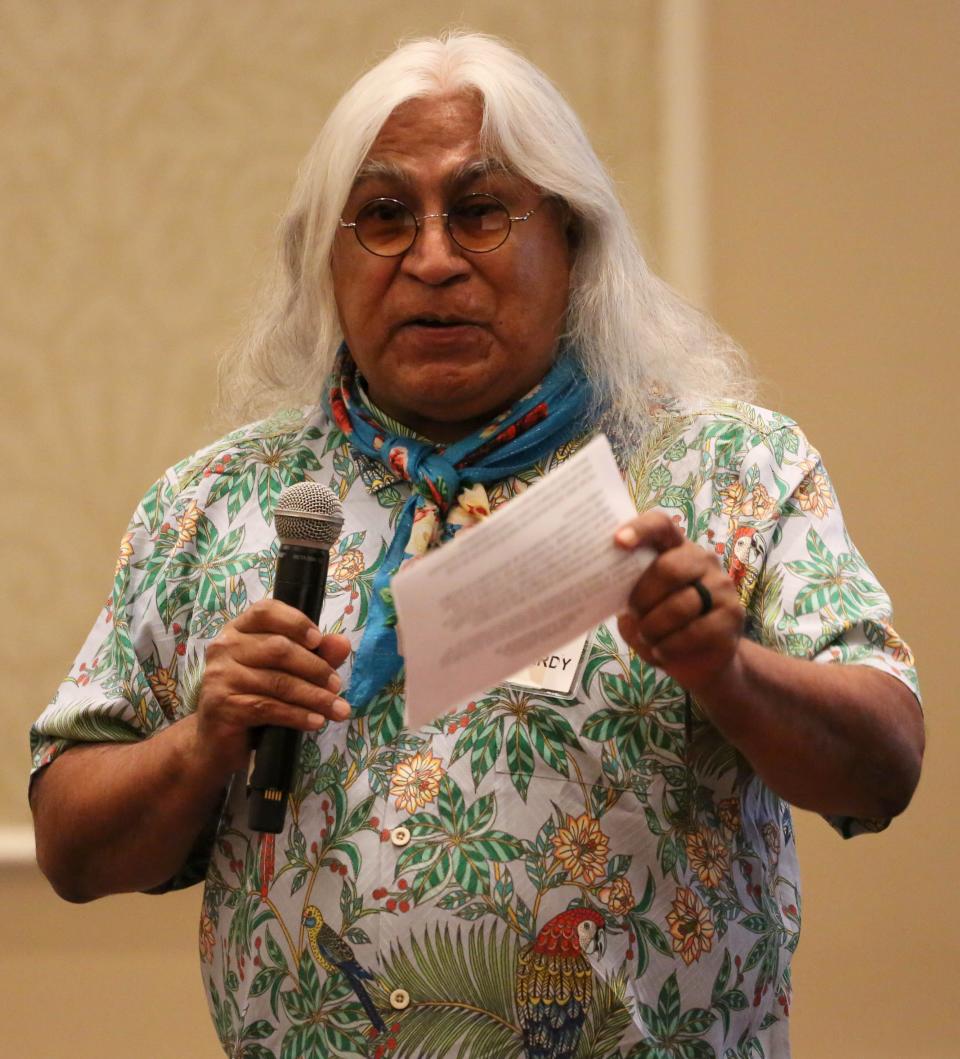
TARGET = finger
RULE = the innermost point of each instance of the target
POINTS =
(274, 651)
(283, 687)
(670, 572)
(707, 635)
(272, 616)
(259, 710)
(676, 611)
(652, 529)
(628, 625)
(334, 650)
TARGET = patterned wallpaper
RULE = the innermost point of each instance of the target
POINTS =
(147, 152)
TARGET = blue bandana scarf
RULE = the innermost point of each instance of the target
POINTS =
(447, 486)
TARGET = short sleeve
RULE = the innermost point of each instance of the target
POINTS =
(134, 674)
(200, 549)
(807, 589)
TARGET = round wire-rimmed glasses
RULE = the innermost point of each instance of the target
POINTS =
(477, 223)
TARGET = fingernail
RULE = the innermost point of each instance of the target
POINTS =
(627, 536)
(342, 707)
(334, 683)
(316, 721)
(314, 638)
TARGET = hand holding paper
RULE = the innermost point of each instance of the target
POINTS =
(540, 571)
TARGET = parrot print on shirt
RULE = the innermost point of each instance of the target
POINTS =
(519, 803)
(555, 983)
(334, 954)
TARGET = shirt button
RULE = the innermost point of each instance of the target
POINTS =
(399, 999)
(400, 836)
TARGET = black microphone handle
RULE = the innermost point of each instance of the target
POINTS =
(301, 581)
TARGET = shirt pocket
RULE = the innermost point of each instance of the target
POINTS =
(584, 809)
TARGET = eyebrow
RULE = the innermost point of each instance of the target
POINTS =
(375, 169)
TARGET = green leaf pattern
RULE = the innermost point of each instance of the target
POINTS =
(519, 805)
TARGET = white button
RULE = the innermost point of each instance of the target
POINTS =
(399, 999)
(400, 836)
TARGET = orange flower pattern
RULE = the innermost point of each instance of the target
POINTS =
(416, 781)
(347, 566)
(187, 523)
(581, 848)
(521, 826)
(709, 856)
(815, 495)
(208, 938)
(691, 926)
(618, 896)
(126, 550)
(728, 810)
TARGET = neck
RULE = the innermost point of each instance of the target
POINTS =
(427, 426)
(436, 429)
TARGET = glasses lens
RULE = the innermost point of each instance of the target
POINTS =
(386, 227)
(479, 222)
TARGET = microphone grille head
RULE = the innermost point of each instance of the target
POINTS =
(308, 514)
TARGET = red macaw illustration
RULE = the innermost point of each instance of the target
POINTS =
(745, 558)
(555, 983)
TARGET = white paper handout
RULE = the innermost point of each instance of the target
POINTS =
(540, 571)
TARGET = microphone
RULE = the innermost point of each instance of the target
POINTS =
(308, 518)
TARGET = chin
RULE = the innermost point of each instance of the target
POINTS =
(453, 385)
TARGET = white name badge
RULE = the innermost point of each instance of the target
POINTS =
(556, 672)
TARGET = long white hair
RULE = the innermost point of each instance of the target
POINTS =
(636, 337)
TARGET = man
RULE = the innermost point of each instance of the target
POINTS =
(610, 869)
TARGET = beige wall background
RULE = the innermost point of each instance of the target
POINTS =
(147, 151)
(834, 228)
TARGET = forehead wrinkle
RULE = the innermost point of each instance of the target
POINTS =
(384, 169)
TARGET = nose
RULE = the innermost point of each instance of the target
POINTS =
(434, 257)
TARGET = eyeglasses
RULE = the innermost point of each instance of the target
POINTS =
(477, 223)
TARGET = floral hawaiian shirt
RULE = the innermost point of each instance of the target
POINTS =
(535, 874)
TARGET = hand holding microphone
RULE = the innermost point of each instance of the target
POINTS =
(271, 668)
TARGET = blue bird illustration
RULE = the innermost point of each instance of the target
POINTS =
(334, 954)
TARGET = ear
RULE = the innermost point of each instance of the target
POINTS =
(573, 230)
(572, 226)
